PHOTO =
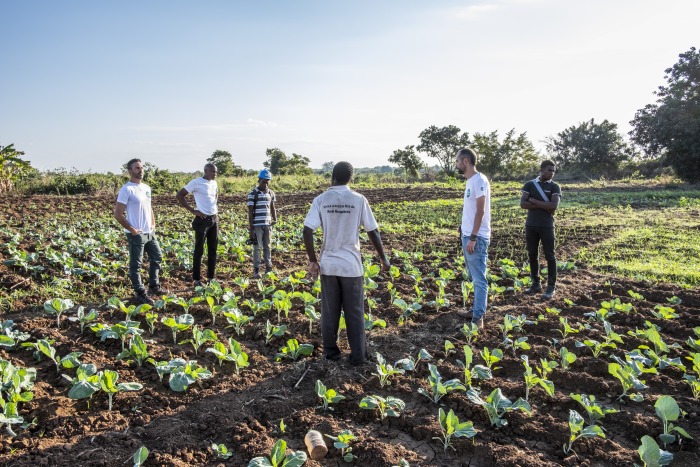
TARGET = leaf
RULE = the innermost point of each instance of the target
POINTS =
(83, 389)
(278, 452)
(140, 456)
(667, 408)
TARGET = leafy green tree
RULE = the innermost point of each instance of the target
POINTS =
(443, 144)
(407, 159)
(589, 148)
(327, 167)
(223, 160)
(514, 157)
(280, 164)
(671, 126)
(12, 167)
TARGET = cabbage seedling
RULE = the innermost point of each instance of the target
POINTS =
(452, 427)
(57, 306)
(282, 302)
(151, 319)
(470, 331)
(567, 358)
(410, 364)
(440, 389)
(385, 371)
(273, 331)
(84, 318)
(328, 396)
(140, 456)
(628, 380)
(181, 323)
(594, 410)
(85, 384)
(120, 330)
(388, 407)
(342, 442)
(236, 320)
(692, 380)
(496, 405)
(200, 337)
(279, 457)
(668, 411)
(221, 451)
(10, 337)
(478, 372)
(491, 358)
(694, 343)
(108, 382)
(651, 454)
(293, 350)
(577, 430)
(137, 351)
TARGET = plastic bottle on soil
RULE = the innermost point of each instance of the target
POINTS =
(315, 444)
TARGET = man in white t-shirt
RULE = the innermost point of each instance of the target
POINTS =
(206, 220)
(134, 212)
(475, 230)
(340, 212)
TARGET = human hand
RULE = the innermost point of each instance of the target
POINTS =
(314, 269)
(471, 244)
(199, 214)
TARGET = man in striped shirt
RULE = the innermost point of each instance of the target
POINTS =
(262, 215)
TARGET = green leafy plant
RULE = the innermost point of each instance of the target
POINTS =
(576, 430)
(477, 372)
(108, 383)
(594, 410)
(664, 312)
(328, 396)
(438, 388)
(84, 318)
(410, 363)
(651, 455)
(137, 351)
(386, 371)
(470, 331)
(179, 324)
(200, 337)
(567, 358)
(44, 347)
(407, 310)
(140, 456)
(121, 330)
(388, 406)
(625, 373)
(9, 337)
(183, 373)
(497, 405)
(279, 457)
(451, 427)
(532, 380)
(221, 451)
(273, 331)
(294, 350)
(692, 380)
(491, 358)
(668, 411)
(342, 442)
(57, 306)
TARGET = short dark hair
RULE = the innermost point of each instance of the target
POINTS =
(342, 172)
(128, 164)
(209, 164)
(546, 164)
(469, 153)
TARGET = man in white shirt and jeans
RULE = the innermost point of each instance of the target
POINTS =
(475, 230)
(206, 220)
(134, 212)
(340, 212)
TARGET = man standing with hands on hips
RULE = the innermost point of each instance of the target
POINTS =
(206, 220)
(475, 230)
(341, 212)
(134, 212)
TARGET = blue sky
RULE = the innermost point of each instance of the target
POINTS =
(90, 84)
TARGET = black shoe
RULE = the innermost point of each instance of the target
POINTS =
(256, 273)
(157, 290)
(467, 314)
(549, 293)
(333, 358)
(534, 288)
(197, 283)
(142, 298)
(268, 269)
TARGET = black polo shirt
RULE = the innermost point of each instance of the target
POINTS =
(540, 217)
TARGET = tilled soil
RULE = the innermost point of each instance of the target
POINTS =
(244, 411)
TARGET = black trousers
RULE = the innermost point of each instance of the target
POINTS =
(533, 237)
(346, 293)
(205, 230)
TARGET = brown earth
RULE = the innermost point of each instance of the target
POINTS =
(244, 411)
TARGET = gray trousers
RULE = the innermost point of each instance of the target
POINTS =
(346, 293)
(262, 240)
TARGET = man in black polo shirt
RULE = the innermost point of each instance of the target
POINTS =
(541, 198)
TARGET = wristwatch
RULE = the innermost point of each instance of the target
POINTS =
(472, 238)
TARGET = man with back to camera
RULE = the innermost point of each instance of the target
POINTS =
(475, 230)
(541, 198)
(262, 215)
(134, 212)
(341, 212)
(205, 224)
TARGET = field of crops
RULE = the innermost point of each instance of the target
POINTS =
(218, 375)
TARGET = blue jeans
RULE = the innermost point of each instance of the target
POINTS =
(476, 269)
(137, 245)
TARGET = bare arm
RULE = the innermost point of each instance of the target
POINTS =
(314, 268)
(182, 199)
(273, 211)
(120, 216)
(376, 240)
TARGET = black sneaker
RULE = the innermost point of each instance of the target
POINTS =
(549, 293)
(197, 284)
(256, 273)
(157, 290)
(534, 288)
(142, 298)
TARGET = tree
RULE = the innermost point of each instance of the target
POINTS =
(327, 167)
(514, 157)
(12, 167)
(671, 126)
(223, 160)
(279, 164)
(589, 148)
(407, 159)
(443, 144)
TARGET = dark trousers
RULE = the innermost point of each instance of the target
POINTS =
(205, 231)
(346, 293)
(138, 244)
(533, 237)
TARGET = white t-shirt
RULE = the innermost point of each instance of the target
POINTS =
(137, 198)
(477, 186)
(340, 212)
(205, 194)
